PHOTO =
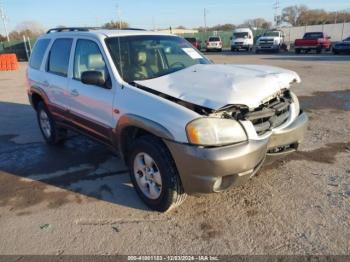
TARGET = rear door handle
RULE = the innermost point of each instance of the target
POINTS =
(74, 92)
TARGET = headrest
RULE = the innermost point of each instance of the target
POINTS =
(141, 57)
(95, 61)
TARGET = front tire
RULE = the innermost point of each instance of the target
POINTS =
(154, 174)
(52, 134)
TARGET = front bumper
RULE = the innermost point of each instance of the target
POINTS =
(267, 47)
(205, 170)
(239, 46)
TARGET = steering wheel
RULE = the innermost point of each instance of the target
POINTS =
(177, 65)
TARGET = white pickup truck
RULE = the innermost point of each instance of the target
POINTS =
(182, 124)
(271, 41)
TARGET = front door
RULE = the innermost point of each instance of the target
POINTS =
(91, 106)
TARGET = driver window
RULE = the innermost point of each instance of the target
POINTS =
(88, 57)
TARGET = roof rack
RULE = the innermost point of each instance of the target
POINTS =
(85, 29)
(71, 29)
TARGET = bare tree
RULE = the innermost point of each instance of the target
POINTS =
(291, 14)
(301, 15)
(2, 38)
(32, 26)
(258, 23)
(116, 25)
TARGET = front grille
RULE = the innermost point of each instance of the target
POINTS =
(271, 114)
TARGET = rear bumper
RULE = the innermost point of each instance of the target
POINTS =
(214, 47)
(205, 170)
(305, 47)
(240, 46)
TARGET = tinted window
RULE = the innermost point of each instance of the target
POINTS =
(59, 57)
(214, 39)
(88, 57)
(38, 53)
(191, 40)
(347, 39)
(313, 35)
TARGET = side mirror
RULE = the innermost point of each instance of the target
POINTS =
(231, 38)
(250, 37)
(328, 37)
(95, 78)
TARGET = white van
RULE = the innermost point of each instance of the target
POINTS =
(242, 38)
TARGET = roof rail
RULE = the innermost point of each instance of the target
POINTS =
(71, 29)
(85, 29)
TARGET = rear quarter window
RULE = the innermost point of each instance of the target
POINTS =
(38, 53)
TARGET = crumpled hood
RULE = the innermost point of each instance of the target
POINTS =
(215, 86)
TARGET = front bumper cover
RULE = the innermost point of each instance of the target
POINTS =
(205, 170)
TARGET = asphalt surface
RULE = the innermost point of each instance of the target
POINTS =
(78, 199)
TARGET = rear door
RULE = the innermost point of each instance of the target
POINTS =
(56, 80)
(91, 106)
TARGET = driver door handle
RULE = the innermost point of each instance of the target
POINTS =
(74, 92)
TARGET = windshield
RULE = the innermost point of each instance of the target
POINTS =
(240, 35)
(347, 39)
(146, 57)
(271, 33)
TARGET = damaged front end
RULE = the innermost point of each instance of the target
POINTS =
(272, 113)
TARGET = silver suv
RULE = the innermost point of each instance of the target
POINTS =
(182, 124)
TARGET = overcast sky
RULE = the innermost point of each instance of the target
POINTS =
(146, 13)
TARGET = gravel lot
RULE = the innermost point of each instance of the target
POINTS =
(78, 199)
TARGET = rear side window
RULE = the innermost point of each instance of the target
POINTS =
(59, 57)
(38, 53)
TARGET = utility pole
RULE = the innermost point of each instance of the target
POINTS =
(205, 20)
(277, 15)
(4, 21)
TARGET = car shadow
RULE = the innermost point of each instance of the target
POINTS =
(29, 169)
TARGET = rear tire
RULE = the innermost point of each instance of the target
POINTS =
(154, 174)
(52, 134)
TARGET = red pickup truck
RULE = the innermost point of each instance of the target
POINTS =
(317, 41)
